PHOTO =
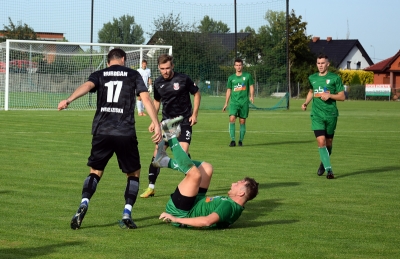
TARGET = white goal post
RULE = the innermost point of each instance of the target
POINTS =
(38, 74)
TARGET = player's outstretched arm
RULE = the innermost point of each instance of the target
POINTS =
(204, 221)
(80, 91)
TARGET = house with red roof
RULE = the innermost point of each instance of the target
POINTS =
(388, 72)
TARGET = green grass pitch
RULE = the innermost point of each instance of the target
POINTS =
(297, 214)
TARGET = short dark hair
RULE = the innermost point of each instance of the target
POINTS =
(251, 188)
(239, 60)
(116, 54)
(144, 61)
(322, 56)
(164, 58)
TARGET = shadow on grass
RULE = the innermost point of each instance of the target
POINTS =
(279, 143)
(33, 252)
(254, 209)
(5, 191)
(260, 207)
(117, 223)
(370, 171)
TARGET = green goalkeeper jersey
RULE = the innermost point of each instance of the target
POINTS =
(240, 86)
(331, 83)
(227, 210)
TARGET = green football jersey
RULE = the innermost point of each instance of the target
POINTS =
(227, 210)
(331, 83)
(240, 86)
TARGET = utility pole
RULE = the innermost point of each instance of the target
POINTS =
(235, 31)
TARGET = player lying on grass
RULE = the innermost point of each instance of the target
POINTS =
(188, 205)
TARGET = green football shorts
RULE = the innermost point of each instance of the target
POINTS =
(239, 110)
(324, 123)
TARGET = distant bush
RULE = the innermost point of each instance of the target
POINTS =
(364, 77)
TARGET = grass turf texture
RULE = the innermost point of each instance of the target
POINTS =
(296, 214)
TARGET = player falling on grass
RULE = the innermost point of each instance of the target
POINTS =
(239, 89)
(173, 90)
(113, 129)
(189, 206)
(325, 89)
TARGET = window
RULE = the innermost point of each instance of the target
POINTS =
(358, 64)
(348, 64)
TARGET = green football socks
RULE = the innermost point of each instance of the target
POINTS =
(181, 161)
(242, 131)
(232, 130)
(329, 150)
(324, 155)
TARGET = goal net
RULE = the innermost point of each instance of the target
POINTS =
(38, 74)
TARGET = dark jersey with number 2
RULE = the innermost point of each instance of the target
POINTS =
(174, 94)
(116, 88)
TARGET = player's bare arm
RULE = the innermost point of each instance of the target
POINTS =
(252, 93)
(198, 222)
(227, 96)
(151, 110)
(308, 100)
(337, 97)
(196, 105)
(80, 91)
(157, 108)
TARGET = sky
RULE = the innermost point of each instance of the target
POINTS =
(374, 23)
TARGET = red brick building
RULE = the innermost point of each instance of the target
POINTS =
(388, 72)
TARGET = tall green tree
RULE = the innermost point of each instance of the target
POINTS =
(250, 48)
(209, 25)
(265, 50)
(301, 60)
(172, 23)
(195, 54)
(123, 30)
(18, 32)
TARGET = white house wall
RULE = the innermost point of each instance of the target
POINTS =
(354, 57)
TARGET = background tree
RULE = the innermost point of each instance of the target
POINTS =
(18, 32)
(272, 38)
(195, 54)
(265, 51)
(301, 60)
(123, 30)
(208, 25)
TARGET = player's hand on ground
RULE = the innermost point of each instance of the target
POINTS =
(193, 120)
(166, 217)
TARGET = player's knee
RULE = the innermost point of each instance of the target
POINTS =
(207, 168)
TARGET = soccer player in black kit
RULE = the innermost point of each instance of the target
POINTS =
(113, 129)
(173, 90)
